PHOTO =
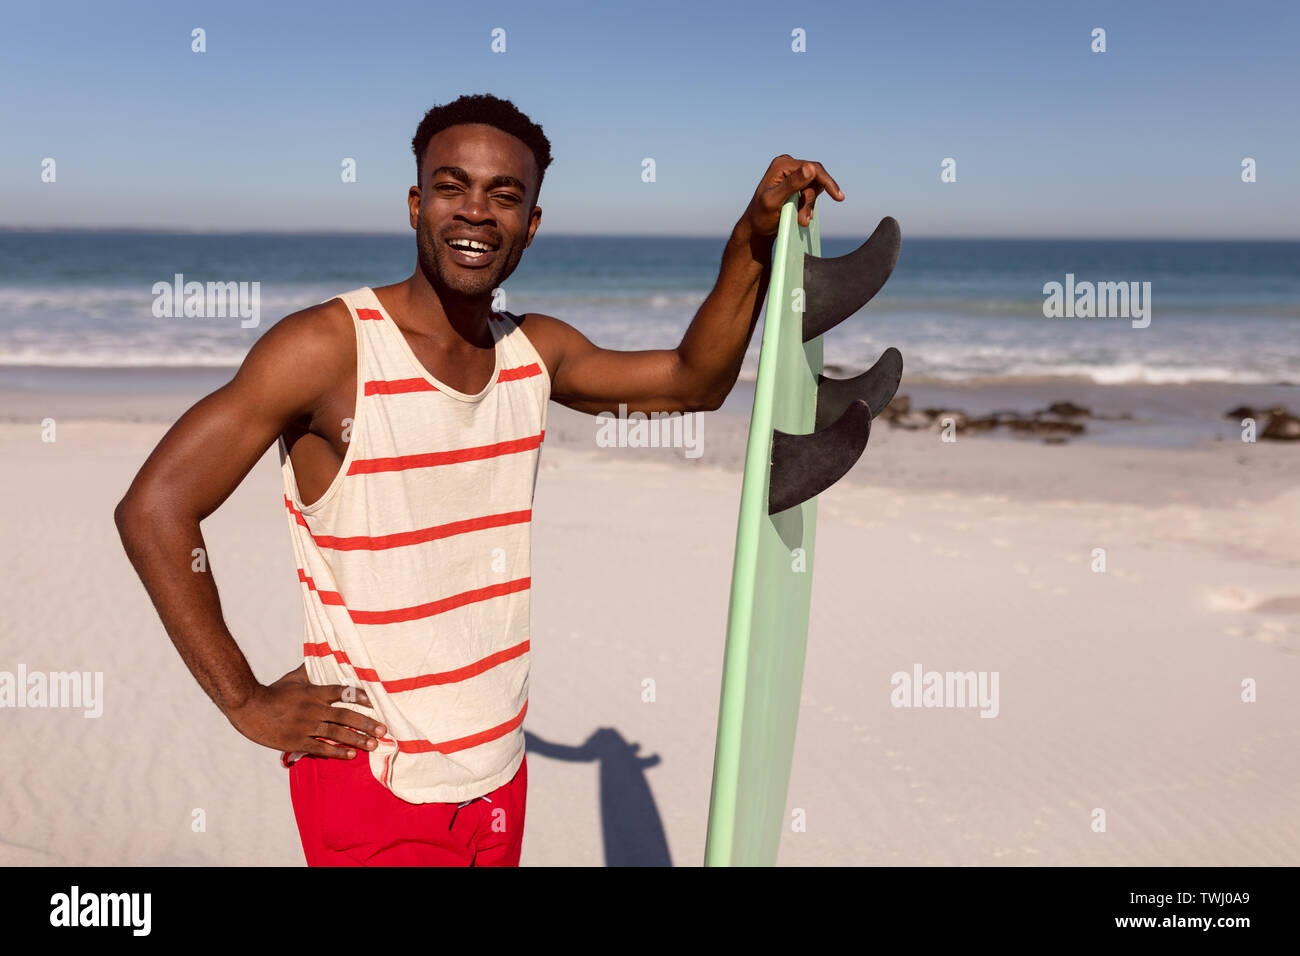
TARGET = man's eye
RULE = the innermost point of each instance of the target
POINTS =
(506, 196)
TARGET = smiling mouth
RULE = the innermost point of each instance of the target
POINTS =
(471, 252)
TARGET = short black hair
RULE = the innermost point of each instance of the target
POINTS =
(491, 111)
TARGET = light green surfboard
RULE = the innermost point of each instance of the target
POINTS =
(786, 464)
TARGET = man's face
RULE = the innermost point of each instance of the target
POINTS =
(477, 185)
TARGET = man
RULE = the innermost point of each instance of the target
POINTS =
(409, 420)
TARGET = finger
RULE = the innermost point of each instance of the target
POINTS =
(776, 166)
(322, 747)
(803, 178)
(824, 181)
(803, 174)
(353, 720)
(344, 736)
(820, 181)
(790, 182)
(809, 197)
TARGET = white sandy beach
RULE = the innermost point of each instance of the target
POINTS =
(1119, 690)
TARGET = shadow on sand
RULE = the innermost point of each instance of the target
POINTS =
(633, 832)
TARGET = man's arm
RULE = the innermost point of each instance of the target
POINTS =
(196, 466)
(701, 371)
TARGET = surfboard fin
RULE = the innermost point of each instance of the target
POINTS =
(876, 386)
(836, 288)
(806, 465)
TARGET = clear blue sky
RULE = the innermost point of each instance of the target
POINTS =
(1050, 139)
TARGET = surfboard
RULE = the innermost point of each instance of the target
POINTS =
(805, 433)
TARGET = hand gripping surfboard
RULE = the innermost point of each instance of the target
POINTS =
(806, 432)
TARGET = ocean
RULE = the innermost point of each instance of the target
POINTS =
(960, 310)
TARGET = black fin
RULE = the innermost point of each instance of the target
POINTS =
(876, 386)
(836, 288)
(804, 466)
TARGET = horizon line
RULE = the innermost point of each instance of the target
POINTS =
(331, 233)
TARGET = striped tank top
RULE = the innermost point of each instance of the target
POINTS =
(414, 564)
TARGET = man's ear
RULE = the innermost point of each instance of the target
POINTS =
(413, 205)
(534, 223)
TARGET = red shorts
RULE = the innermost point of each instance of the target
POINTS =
(348, 818)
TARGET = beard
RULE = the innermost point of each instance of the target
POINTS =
(451, 281)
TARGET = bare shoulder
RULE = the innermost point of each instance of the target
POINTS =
(550, 336)
(319, 336)
(540, 324)
(301, 357)
(317, 333)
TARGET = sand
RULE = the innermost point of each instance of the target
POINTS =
(1118, 690)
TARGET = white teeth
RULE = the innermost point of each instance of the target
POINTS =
(470, 244)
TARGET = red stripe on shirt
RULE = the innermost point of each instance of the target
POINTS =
(404, 538)
(369, 466)
(297, 515)
(398, 386)
(326, 597)
(375, 314)
(402, 386)
(460, 673)
(440, 606)
(399, 685)
(400, 614)
(519, 372)
(462, 743)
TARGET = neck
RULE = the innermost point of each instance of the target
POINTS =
(444, 314)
